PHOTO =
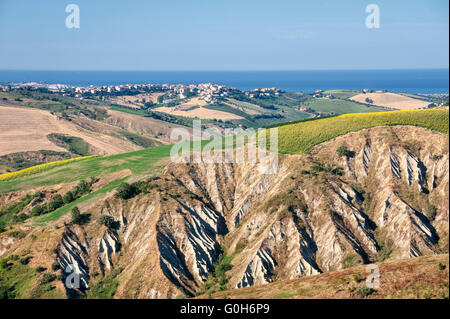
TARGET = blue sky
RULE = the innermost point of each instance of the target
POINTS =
(223, 35)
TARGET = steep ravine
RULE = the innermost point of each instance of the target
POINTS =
(299, 222)
(311, 217)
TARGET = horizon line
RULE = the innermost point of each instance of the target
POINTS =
(218, 70)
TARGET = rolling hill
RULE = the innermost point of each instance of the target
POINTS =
(236, 227)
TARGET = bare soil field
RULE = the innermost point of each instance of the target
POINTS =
(195, 101)
(200, 112)
(142, 125)
(391, 100)
(130, 100)
(26, 129)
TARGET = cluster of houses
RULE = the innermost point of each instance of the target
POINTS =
(55, 88)
(264, 92)
(211, 93)
(320, 94)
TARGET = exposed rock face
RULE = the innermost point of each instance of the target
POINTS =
(72, 256)
(305, 220)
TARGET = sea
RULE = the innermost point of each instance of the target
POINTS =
(424, 81)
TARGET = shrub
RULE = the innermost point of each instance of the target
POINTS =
(25, 260)
(39, 269)
(441, 266)
(107, 221)
(16, 234)
(431, 212)
(126, 191)
(56, 203)
(357, 277)
(342, 151)
(68, 197)
(21, 218)
(4, 264)
(240, 246)
(76, 215)
(82, 188)
(48, 277)
(39, 210)
(364, 291)
(56, 266)
(351, 260)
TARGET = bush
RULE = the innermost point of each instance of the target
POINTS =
(431, 212)
(21, 218)
(56, 266)
(16, 234)
(68, 197)
(441, 266)
(342, 151)
(39, 269)
(126, 191)
(351, 260)
(4, 264)
(107, 221)
(357, 277)
(364, 291)
(47, 277)
(39, 210)
(76, 215)
(82, 188)
(56, 203)
(25, 260)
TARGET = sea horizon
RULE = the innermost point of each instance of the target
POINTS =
(422, 81)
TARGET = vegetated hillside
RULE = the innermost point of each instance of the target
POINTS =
(300, 138)
(414, 278)
(30, 136)
(376, 194)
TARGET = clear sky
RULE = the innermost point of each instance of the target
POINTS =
(223, 35)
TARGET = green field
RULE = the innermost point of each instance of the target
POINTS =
(142, 162)
(342, 94)
(338, 106)
(300, 138)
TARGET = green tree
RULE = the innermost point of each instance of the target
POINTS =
(38, 210)
(126, 191)
(76, 215)
(107, 221)
(56, 203)
(68, 197)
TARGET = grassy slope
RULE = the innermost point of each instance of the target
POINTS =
(300, 138)
(342, 94)
(140, 162)
(407, 278)
(339, 106)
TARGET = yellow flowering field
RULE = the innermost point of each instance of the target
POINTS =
(41, 168)
(300, 138)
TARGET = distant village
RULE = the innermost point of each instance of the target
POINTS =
(174, 94)
(210, 93)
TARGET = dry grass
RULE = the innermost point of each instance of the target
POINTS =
(200, 112)
(417, 278)
(25, 129)
(391, 100)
